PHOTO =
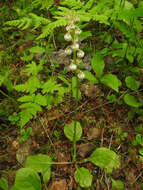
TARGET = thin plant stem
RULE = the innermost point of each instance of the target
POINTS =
(75, 112)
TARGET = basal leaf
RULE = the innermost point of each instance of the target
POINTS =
(40, 163)
(111, 81)
(70, 132)
(90, 77)
(117, 185)
(27, 179)
(97, 63)
(3, 184)
(131, 101)
(83, 177)
(132, 83)
(105, 159)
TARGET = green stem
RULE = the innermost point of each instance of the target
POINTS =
(75, 112)
(68, 163)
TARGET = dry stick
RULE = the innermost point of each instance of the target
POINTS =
(137, 178)
(96, 107)
(102, 138)
(107, 181)
(110, 141)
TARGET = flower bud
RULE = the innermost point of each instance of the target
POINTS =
(75, 46)
(80, 54)
(81, 75)
(72, 26)
(72, 67)
(68, 37)
(68, 51)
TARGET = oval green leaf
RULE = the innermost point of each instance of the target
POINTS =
(117, 185)
(111, 81)
(27, 179)
(3, 184)
(132, 83)
(83, 177)
(90, 77)
(40, 163)
(105, 159)
(71, 133)
(97, 64)
(131, 101)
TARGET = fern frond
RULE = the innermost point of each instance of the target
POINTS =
(32, 20)
(73, 4)
(30, 86)
(89, 4)
(33, 69)
(47, 30)
(43, 3)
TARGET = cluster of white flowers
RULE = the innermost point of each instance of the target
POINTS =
(72, 36)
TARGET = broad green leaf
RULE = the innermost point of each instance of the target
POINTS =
(97, 64)
(132, 83)
(37, 49)
(71, 133)
(90, 77)
(41, 100)
(83, 177)
(111, 81)
(27, 179)
(105, 159)
(3, 184)
(131, 101)
(40, 163)
(117, 185)
(75, 88)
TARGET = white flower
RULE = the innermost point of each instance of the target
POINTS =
(75, 46)
(80, 54)
(68, 37)
(68, 51)
(67, 28)
(72, 67)
(81, 75)
(78, 31)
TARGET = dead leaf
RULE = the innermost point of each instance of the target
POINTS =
(23, 151)
(58, 185)
(85, 149)
(90, 90)
(94, 133)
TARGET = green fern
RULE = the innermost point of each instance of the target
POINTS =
(43, 4)
(32, 20)
(33, 68)
(73, 4)
(47, 30)
(30, 86)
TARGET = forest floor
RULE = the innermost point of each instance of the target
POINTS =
(101, 122)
